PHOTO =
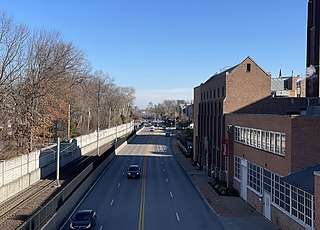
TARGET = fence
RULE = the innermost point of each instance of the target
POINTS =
(20, 172)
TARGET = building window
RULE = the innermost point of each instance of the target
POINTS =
(237, 167)
(214, 93)
(293, 200)
(248, 67)
(259, 139)
(218, 92)
(283, 144)
(272, 142)
(266, 140)
(263, 139)
(267, 180)
(255, 177)
(278, 143)
(222, 91)
(254, 131)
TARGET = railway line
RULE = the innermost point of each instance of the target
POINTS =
(20, 207)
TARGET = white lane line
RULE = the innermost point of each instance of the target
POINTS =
(177, 216)
(101, 227)
(111, 203)
(118, 185)
(164, 170)
(162, 162)
(167, 180)
(171, 195)
(122, 173)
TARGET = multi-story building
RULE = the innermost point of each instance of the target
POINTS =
(273, 153)
(313, 47)
(186, 110)
(293, 86)
(223, 93)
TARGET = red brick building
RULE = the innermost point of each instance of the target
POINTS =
(223, 93)
(273, 148)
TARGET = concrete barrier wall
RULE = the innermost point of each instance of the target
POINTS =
(19, 184)
(20, 172)
(60, 217)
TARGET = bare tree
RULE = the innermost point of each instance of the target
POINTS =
(43, 95)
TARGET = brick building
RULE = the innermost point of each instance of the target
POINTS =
(273, 153)
(223, 93)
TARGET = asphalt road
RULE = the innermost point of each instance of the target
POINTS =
(163, 198)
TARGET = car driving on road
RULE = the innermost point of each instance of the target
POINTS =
(83, 219)
(133, 171)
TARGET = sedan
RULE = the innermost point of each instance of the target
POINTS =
(133, 171)
(83, 219)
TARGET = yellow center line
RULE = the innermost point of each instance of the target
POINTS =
(143, 192)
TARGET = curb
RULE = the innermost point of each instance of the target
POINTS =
(198, 190)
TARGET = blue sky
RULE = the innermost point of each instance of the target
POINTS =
(164, 48)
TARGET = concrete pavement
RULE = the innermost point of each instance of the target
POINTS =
(233, 212)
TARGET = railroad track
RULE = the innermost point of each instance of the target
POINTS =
(17, 209)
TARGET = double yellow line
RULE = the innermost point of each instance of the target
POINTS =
(143, 192)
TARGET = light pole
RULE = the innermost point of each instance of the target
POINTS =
(58, 163)
(89, 116)
(69, 122)
(98, 117)
(115, 124)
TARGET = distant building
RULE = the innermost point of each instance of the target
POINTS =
(272, 145)
(293, 86)
(186, 109)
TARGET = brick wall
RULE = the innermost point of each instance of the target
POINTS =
(196, 95)
(255, 201)
(267, 160)
(283, 221)
(305, 140)
(244, 88)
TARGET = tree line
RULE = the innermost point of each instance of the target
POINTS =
(48, 89)
(167, 110)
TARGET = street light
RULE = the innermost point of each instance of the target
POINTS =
(58, 163)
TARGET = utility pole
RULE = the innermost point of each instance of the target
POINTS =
(69, 122)
(58, 163)
(98, 120)
(89, 116)
(115, 124)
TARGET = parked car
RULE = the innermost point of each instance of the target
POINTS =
(168, 134)
(151, 129)
(133, 171)
(83, 219)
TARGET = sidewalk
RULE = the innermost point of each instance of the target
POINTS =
(233, 212)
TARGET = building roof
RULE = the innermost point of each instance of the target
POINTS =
(223, 73)
(230, 69)
(303, 178)
(279, 106)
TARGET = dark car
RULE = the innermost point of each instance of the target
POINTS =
(133, 171)
(83, 219)
(168, 134)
